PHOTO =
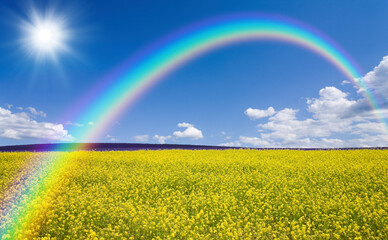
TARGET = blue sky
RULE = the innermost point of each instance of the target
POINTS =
(296, 98)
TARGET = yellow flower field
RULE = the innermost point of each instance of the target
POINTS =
(210, 194)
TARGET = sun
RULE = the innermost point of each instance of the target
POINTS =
(45, 35)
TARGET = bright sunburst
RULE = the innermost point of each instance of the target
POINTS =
(45, 35)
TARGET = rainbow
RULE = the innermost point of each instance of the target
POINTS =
(164, 57)
(120, 90)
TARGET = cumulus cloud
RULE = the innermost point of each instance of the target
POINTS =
(141, 138)
(367, 127)
(190, 132)
(162, 139)
(257, 113)
(336, 121)
(284, 115)
(21, 126)
(377, 80)
(332, 103)
(332, 114)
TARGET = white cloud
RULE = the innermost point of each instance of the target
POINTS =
(141, 138)
(254, 114)
(9, 106)
(336, 121)
(254, 141)
(230, 144)
(377, 80)
(21, 126)
(332, 115)
(369, 141)
(162, 139)
(284, 115)
(91, 123)
(190, 132)
(332, 103)
(35, 112)
(344, 82)
(367, 127)
(185, 125)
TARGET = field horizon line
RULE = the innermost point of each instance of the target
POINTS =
(75, 146)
